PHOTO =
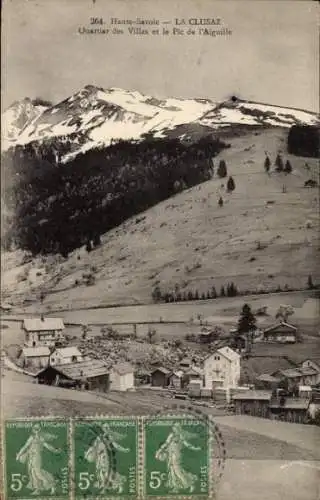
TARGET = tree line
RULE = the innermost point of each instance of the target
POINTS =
(57, 207)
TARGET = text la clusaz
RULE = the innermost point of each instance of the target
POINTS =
(198, 21)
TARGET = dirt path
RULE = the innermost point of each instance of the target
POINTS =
(304, 436)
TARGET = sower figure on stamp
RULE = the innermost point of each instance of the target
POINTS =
(98, 453)
(171, 453)
(30, 454)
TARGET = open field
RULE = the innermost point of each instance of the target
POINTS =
(190, 242)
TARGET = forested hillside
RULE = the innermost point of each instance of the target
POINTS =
(56, 207)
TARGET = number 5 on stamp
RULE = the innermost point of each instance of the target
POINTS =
(36, 459)
(105, 458)
(176, 457)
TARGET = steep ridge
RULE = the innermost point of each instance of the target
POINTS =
(94, 117)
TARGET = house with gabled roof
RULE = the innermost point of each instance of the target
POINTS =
(42, 331)
(34, 357)
(122, 377)
(281, 332)
(91, 374)
(222, 368)
(65, 355)
(160, 377)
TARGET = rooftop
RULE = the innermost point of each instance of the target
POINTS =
(273, 328)
(291, 404)
(33, 352)
(266, 377)
(253, 395)
(43, 324)
(81, 370)
(67, 352)
(226, 352)
(162, 370)
(123, 368)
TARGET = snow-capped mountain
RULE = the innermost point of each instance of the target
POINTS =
(93, 117)
(18, 115)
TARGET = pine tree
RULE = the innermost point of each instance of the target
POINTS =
(190, 295)
(230, 184)
(208, 294)
(213, 292)
(222, 292)
(247, 320)
(222, 169)
(310, 282)
(203, 296)
(279, 163)
(288, 167)
(220, 202)
(97, 240)
(89, 246)
(196, 295)
(267, 164)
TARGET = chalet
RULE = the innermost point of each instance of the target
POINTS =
(122, 377)
(192, 374)
(297, 376)
(254, 403)
(290, 409)
(315, 365)
(43, 331)
(65, 356)
(160, 377)
(92, 374)
(175, 379)
(281, 332)
(222, 368)
(207, 336)
(267, 381)
(34, 357)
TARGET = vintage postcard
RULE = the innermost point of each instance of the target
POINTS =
(160, 328)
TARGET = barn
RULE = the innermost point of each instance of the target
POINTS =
(254, 403)
(91, 374)
(160, 377)
(281, 332)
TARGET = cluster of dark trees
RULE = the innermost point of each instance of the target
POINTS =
(59, 207)
(187, 295)
(279, 164)
(304, 140)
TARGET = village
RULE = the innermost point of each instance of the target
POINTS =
(208, 367)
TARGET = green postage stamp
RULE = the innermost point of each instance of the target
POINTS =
(176, 457)
(100, 458)
(105, 457)
(36, 461)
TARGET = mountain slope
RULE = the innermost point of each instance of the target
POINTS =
(192, 242)
(94, 117)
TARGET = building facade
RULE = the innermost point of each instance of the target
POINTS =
(34, 357)
(282, 333)
(122, 377)
(43, 331)
(222, 368)
(254, 403)
(65, 356)
(160, 377)
(91, 375)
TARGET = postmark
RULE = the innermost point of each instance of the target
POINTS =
(36, 459)
(105, 458)
(183, 455)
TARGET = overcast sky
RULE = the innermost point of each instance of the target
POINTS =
(272, 55)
